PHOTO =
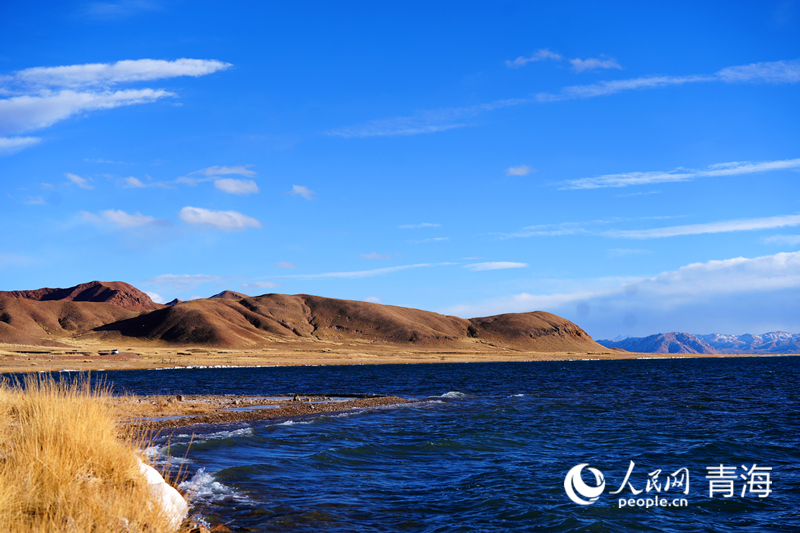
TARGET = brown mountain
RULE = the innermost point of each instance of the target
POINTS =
(24, 321)
(248, 322)
(230, 295)
(112, 292)
(117, 310)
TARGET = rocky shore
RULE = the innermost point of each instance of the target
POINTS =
(182, 411)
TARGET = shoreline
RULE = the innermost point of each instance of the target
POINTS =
(15, 358)
(182, 411)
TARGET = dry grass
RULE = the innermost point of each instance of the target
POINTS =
(64, 466)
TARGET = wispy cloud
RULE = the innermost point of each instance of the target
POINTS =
(121, 219)
(791, 240)
(35, 200)
(41, 96)
(363, 273)
(593, 63)
(422, 121)
(496, 265)
(432, 121)
(627, 179)
(562, 228)
(181, 282)
(219, 220)
(285, 264)
(12, 145)
(727, 226)
(302, 191)
(376, 255)
(223, 171)
(522, 170)
(132, 183)
(432, 239)
(422, 225)
(372, 299)
(578, 65)
(769, 72)
(106, 74)
(539, 55)
(25, 113)
(234, 186)
(261, 285)
(83, 183)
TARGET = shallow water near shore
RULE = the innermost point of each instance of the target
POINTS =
(488, 445)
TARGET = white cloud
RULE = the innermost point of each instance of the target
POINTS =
(285, 264)
(539, 55)
(83, 183)
(697, 298)
(35, 200)
(180, 282)
(12, 145)
(522, 170)
(261, 285)
(25, 113)
(301, 190)
(627, 179)
(106, 74)
(422, 225)
(372, 299)
(495, 265)
(221, 220)
(234, 186)
(121, 219)
(791, 240)
(157, 298)
(41, 96)
(223, 171)
(726, 226)
(770, 72)
(580, 65)
(376, 255)
(132, 183)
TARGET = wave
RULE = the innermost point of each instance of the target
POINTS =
(451, 395)
(203, 487)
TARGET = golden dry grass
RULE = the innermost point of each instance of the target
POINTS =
(64, 466)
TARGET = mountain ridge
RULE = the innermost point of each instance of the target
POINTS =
(105, 311)
(776, 342)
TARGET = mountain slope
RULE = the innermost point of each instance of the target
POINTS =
(251, 321)
(112, 292)
(24, 321)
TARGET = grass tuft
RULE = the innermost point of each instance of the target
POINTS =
(65, 464)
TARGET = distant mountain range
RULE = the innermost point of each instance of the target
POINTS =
(113, 311)
(776, 342)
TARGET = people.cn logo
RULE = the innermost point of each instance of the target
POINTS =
(576, 488)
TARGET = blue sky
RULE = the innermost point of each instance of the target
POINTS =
(631, 166)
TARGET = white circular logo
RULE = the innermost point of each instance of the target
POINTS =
(573, 483)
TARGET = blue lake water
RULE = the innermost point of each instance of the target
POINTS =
(489, 445)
